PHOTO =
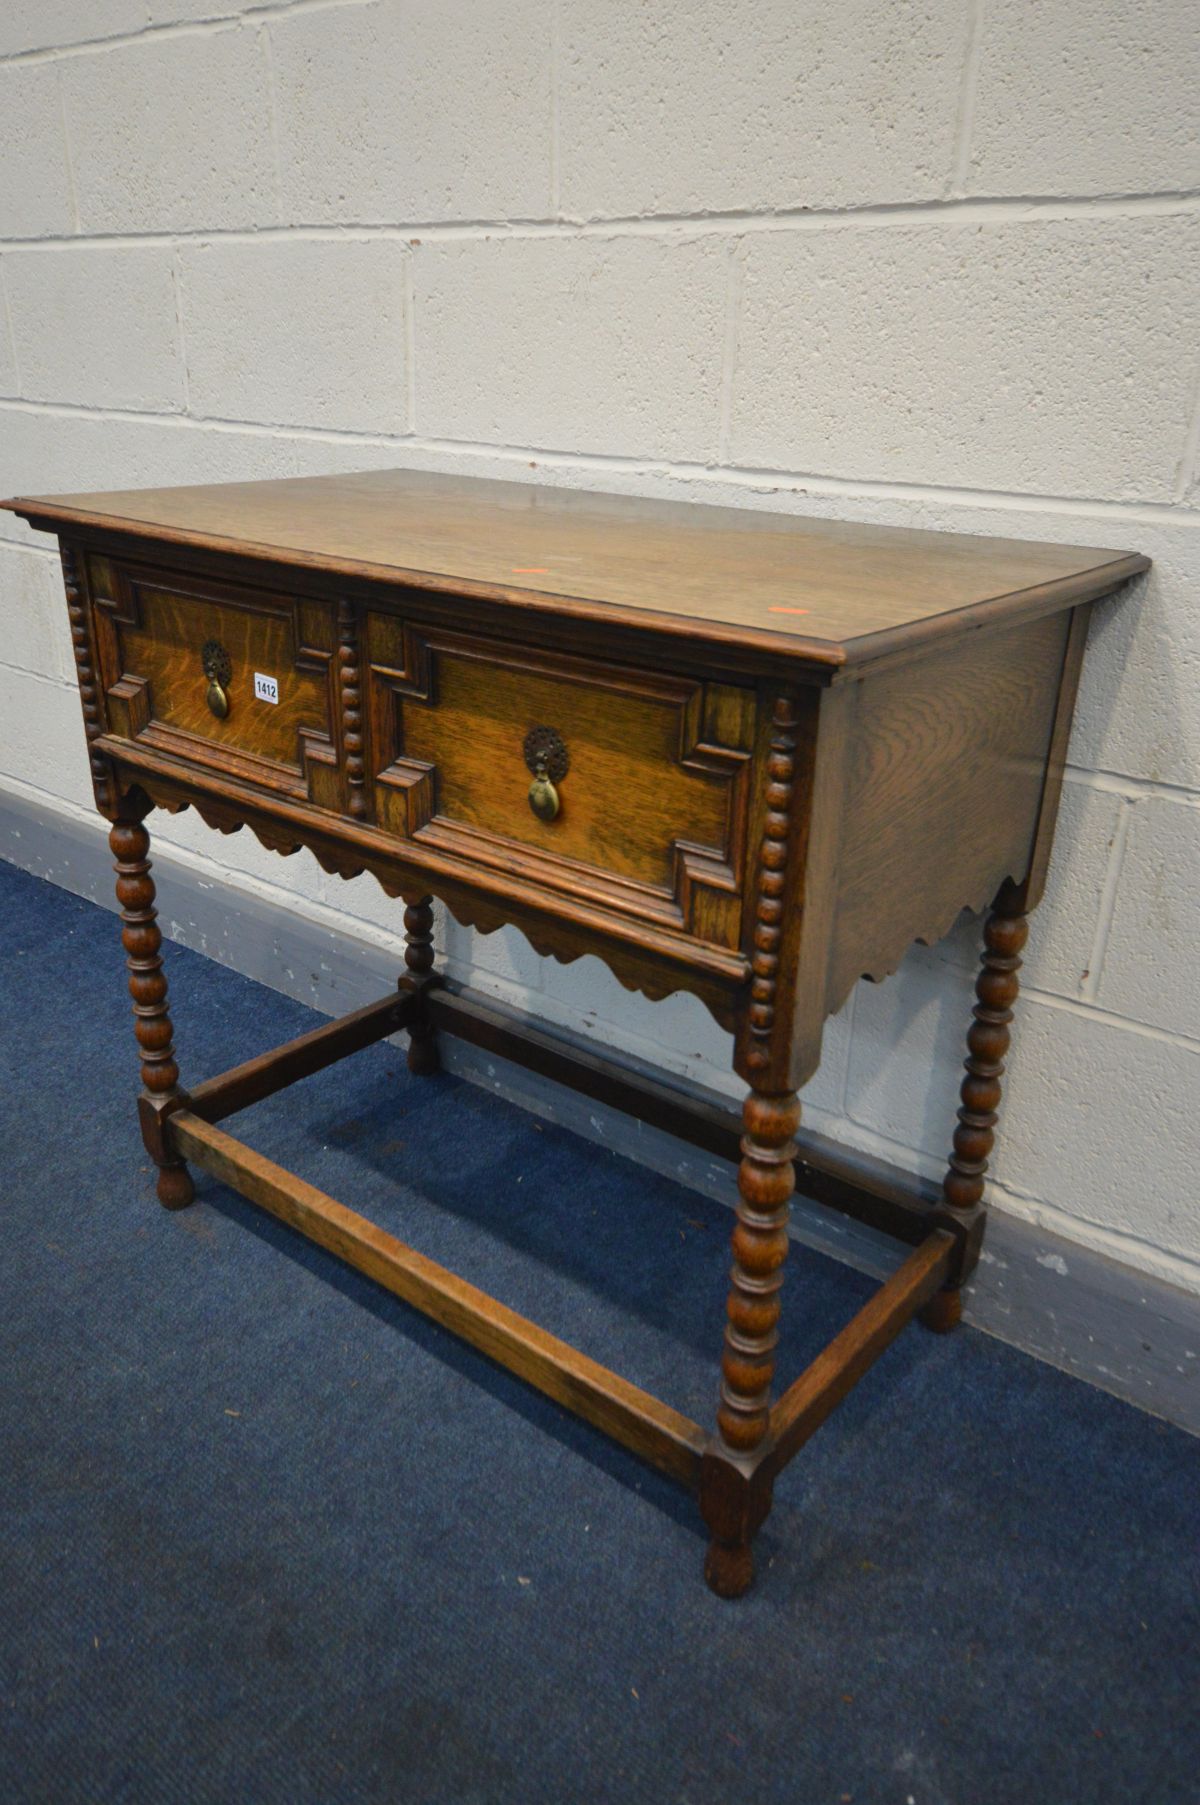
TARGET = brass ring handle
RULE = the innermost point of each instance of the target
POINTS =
(218, 668)
(546, 756)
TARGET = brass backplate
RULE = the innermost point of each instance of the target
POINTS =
(546, 753)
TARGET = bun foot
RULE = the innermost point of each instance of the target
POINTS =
(423, 1059)
(943, 1312)
(175, 1187)
(729, 1568)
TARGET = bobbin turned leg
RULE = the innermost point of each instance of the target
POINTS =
(142, 940)
(418, 958)
(735, 1481)
(735, 1497)
(1004, 935)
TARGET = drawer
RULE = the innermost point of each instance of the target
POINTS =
(651, 771)
(234, 679)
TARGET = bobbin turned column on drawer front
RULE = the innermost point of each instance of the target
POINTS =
(225, 676)
(624, 787)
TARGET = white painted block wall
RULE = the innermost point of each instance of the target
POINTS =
(929, 264)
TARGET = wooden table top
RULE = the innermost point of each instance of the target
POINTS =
(822, 591)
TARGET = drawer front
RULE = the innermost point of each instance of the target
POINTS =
(235, 679)
(651, 816)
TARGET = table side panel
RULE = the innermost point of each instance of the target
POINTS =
(946, 770)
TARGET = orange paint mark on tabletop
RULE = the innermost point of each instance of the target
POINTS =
(772, 608)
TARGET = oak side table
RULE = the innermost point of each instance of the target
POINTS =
(741, 754)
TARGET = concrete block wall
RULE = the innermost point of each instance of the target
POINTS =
(926, 264)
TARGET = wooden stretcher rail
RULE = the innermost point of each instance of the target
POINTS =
(872, 1191)
(649, 1428)
(838, 1368)
(274, 1071)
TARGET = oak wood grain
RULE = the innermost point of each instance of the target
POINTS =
(1056, 758)
(794, 747)
(645, 956)
(163, 651)
(819, 590)
(627, 798)
(946, 786)
(652, 806)
(152, 627)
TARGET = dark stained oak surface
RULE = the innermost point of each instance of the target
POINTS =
(828, 592)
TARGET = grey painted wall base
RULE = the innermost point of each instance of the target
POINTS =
(1134, 1336)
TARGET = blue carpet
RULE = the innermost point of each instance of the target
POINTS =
(267, 1535)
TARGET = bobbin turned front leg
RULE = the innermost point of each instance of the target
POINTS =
(996, 989)
(735, 1495)
(423, 1058)
(735, 1481)
(142, 940)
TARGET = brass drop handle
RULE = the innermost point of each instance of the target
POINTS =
(218, 669)
(543, 797)
(546, 756)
